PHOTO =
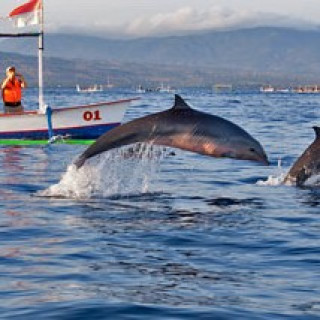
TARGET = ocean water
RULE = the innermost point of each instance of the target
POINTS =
(163, 236)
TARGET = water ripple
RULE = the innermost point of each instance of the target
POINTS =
(162, 237)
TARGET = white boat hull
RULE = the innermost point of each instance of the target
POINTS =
(81, 122)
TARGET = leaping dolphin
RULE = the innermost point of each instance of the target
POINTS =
(185, 128)
(307, 165)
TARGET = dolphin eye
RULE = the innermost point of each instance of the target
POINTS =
(252, 150)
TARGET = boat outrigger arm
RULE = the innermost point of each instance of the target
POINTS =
(18, 35)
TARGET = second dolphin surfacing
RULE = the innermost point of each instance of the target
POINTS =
(184, 128)
(307, 165)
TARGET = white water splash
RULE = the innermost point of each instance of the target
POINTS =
(117, 172)
(313, 181)
(274, 180)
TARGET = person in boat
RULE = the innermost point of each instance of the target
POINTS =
(11, 88)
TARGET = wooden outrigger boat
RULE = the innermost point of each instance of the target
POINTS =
(47, 123)
(80, 122)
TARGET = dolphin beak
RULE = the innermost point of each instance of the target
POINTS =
(264, 160)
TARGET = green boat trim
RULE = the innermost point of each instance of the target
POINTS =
(21, 142)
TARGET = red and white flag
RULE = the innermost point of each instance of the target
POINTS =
(27, 14)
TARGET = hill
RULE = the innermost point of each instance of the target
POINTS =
(256, 55)
(69, 72)
(260, 49)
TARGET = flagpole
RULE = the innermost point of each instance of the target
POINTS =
(40, 58)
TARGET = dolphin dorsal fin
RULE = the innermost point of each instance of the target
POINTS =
(179, 103)
(317, 131)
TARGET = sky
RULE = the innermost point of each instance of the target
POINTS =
(130, 18)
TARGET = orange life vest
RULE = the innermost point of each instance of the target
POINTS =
(12, 92)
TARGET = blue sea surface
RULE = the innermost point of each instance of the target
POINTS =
(165, 237)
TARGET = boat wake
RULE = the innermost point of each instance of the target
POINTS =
(128, 170)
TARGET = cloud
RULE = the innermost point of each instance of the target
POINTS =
(182, 21)
(189, 19)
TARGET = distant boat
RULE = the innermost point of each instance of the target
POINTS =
(109, 85)
(165, 89)
(267, 89)
(91, 89)
(307, 89)
(271, 89)
(222, 87)
(285, 90)
(140, 89)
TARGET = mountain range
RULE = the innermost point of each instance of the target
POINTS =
(255, 55)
